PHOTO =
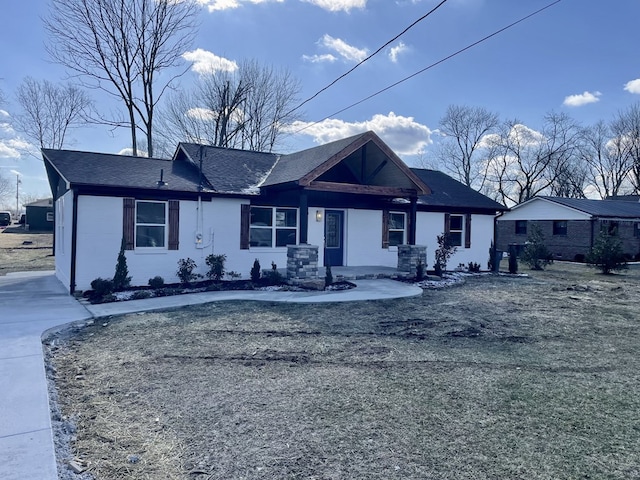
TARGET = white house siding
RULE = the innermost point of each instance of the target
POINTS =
(64, 213)
(363, 240)
(541, 209)
(430, 225)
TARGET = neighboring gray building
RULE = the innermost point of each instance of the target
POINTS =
(571, 225)
(39, 215)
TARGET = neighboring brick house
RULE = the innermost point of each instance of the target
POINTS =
(571, 225)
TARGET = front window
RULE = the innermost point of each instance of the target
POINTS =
(559, 227)
(521, 227)
(455, 230)
(397, 228)
(151, 224)
(272, 226)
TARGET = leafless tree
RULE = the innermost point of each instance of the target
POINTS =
(48, 111)
(626, 127)
(604, 152)
(243, 109)
(7, 188)
(524, 163)
(459, 154)
(122, 47)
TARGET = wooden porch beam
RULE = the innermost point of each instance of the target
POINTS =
(362, 189)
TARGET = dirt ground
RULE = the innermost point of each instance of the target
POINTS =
(21, 250)
(502, 377)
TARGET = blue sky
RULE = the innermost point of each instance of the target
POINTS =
(578, 56)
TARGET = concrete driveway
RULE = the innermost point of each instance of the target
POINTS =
(30, 304)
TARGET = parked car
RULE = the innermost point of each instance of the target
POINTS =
(23, 219)
(5, 219)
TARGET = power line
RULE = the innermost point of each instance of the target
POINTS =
(367, 58)
(389, 87)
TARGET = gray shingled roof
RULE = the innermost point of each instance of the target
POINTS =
(600, 208)
(228, 170)
(447, 192)
(103, 169)
(294, 166)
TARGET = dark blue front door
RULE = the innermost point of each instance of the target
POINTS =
(333, 238)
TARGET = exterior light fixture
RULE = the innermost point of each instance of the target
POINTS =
(318, 215)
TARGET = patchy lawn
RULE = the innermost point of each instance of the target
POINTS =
(502, 377)
(21, 250)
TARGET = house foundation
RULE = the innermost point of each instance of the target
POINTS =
(409, 256)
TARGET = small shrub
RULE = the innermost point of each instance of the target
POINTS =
(579, 257)
(328, 276)
(443, 253)
(535, 253)
(121, 280)
(607, 254)
(141, 294)
(492, 257)
(420, 270)
(167, 292)
(255, 271)
(185, 270)
(216, 266)
(102, 287)
(272, 276)
(156, 282)
(473, 267)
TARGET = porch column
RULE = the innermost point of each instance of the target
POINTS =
(413, 215)
(304, 218)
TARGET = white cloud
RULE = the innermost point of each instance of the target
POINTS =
(202, 114)
(404, 135)
(205, 62)
(327, 57)
(219, 5)
(582, 99)
(633, 86)
(338, 5)
(343, 49)
(129, 151)
(397, 50)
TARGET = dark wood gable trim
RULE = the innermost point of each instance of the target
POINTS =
(128, 222)
(385, 229)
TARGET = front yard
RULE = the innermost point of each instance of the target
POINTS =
(21, 250)
(503, 377)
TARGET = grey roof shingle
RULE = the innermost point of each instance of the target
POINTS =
(103, 169)
(228, 170)
(600, 208)
(448, 192)
(294, 166)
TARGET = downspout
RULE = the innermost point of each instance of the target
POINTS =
(74, 242)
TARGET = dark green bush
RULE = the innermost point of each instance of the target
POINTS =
(535, 253)
(121, 279)
(273, 277)
(156, 282)
(420, 271)
(216, 266)
(255, 271)
(102, 287)
(473, 267)
(328, 276)
(443, 253)
(185, 270)
(607, 254)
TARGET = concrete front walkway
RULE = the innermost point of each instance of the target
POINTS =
(32, 303)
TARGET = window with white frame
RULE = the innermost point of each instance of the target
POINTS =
(397, 228)
(273, 227)
(151, 224)
(49, 216)
(455, 230)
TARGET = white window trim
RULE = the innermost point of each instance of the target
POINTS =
(403, 230)
(166, 228)
(49, 216)
(273, 228)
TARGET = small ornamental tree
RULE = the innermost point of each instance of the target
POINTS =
(216, 266)
(443, 253)
(535, 253)
(185, 270)
(607, 253)
(255, 271)
(121, 279)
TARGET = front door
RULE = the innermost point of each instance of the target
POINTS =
(333, 238)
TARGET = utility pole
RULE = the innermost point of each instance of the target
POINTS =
(17, 195)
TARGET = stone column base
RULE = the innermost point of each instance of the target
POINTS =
(409, 256)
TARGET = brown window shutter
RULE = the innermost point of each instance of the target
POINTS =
(245, 218)
(128, 222)
(174, 224)
(467, 231)
(447, 223)
(385, 229)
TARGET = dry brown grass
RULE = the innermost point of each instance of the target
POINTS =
(532, 378)
(22, 251)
